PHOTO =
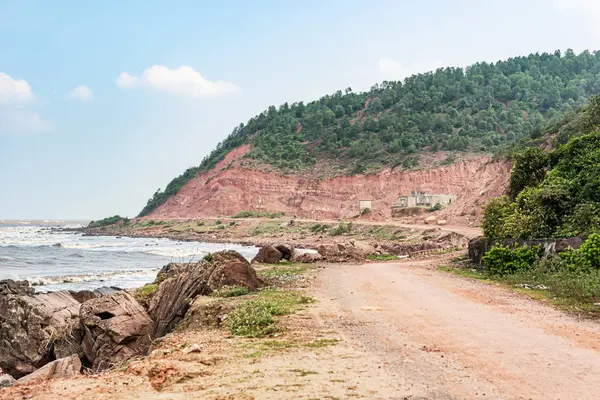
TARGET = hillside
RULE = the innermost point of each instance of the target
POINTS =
(425, 123)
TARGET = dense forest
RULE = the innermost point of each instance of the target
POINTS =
(484, 107)
(553, 193)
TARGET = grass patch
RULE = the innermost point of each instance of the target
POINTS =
(143, 294)
(320, 343)
(257, 214)
(285, 272)
(266, 228)
(255, 318)
(230, 291)
(381, 257)
(319, 228)
(343, 227)
(572, 291)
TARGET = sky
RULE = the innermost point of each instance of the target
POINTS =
(103, 102)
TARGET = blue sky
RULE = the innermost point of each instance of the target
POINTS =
(103, 102)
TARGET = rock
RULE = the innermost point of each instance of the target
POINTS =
(340, 252)
(195, 348)
(172, 298)
(67, 367)
(477, 248)
(430, 220)
(442, 222)
(83, 295)
(363, 247)
(306, 258)
(170, 270)
(6, 381)
(116, 328)
(207, 312)
(268, 255)
(35, 329)
(286, 250)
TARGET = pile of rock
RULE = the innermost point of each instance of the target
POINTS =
(45, 336)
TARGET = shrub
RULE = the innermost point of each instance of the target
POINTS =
(251, 319)
(318, 228)
(342, 228)
(365, 211)
(230, 291)
(258, 214)
(106, 221)
(503, 260)
(587, 257)
(218, 222)
(437, 207)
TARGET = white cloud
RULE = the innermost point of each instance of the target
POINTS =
(184, 81)
(589, 10)
(18, 121)
(393, 70)
(14, 90)
(82, 93)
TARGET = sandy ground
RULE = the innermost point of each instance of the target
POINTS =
(389, 331)
(442, 336)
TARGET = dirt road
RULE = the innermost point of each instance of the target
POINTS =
(437, 336)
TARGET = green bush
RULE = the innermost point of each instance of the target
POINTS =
(252, 319)
(218, 222)
(258, 214)
(316, 228)
(437, 207)
(587, 257)
(230, 291)
(106, 221)
(343, 227)
(365, 211)
(503, 260)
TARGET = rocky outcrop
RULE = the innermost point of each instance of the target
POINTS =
(6, 381)
(207, 312)
(268, 255)
(35, 329)
(172, 298)
(345, 252)
(116, 328)
(67, 367)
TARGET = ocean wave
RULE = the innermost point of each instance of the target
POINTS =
(101, 277)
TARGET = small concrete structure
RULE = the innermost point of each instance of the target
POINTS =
(363, 205)
(422, 199)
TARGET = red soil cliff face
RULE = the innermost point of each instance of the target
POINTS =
(225, 191)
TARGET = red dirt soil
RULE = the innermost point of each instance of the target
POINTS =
(226, 191)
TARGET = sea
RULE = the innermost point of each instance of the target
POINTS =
(53, 259)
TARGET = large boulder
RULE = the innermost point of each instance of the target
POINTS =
(35, 329)
(287, 251)
(268, 255)
(363, 247)
(339, 252)
(116, 328)
(67, 367)
(172, 298)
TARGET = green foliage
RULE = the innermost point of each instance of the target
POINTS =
(529, 169)
(208, 258)
(554, 194)
(343, 227)
(218, 222)
(317, 228)
(503, 260)
(230, 291)
(365, 211)
(257, 214)
(381, 257)
(486, 106)
(107, 221)
(437, 207)
(255, 318)
(587, 257)
(145, 293)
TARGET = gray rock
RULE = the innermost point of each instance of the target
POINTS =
(116, 328)
(268, 255)
(172, 298)
(34, 329)
(67, 367)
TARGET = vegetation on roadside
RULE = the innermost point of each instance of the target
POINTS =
(555, 193)
(257, 318)
(257, 214)
(483, 107)
(381, 257)
(230, 291)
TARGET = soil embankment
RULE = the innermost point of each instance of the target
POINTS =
(230, 188)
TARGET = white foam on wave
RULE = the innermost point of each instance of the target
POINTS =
(101, 277)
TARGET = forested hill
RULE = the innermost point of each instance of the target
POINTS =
(480, 108)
